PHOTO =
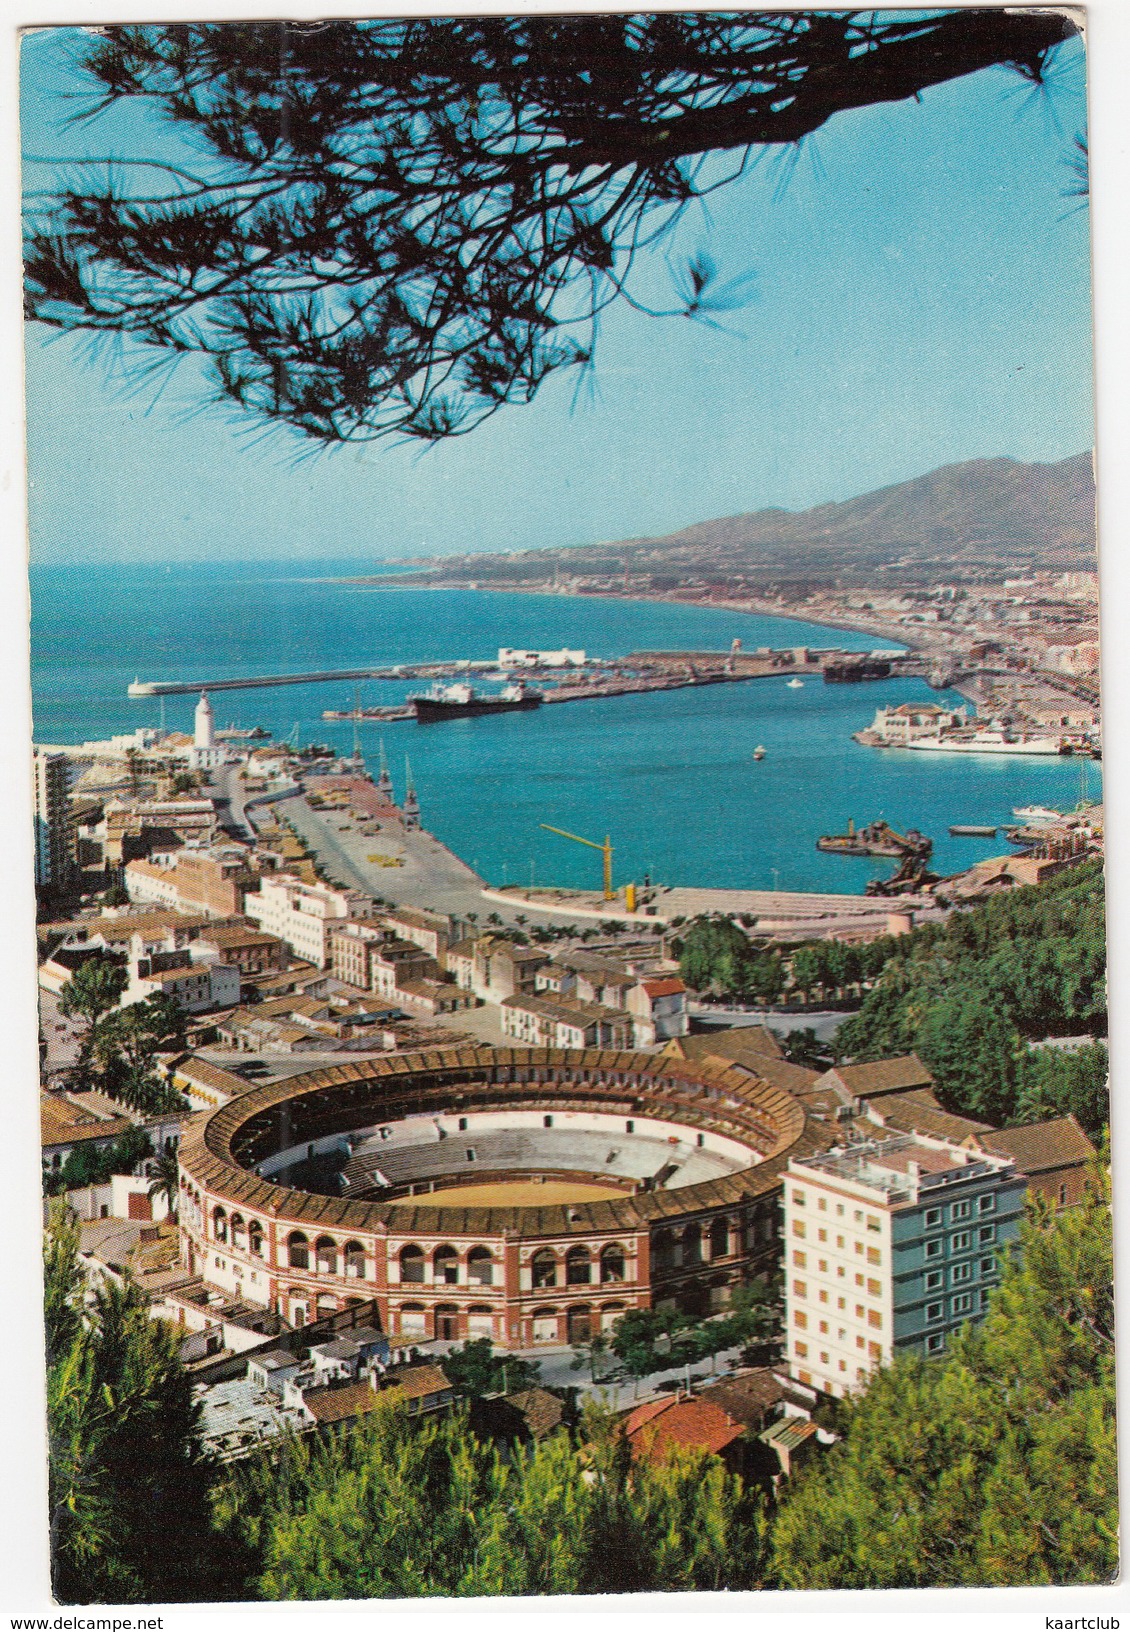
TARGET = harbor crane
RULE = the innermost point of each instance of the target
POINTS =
(605, 848)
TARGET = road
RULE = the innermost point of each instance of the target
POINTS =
(824, 1022)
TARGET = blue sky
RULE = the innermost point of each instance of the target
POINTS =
(921, 295)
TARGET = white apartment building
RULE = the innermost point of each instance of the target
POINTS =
(889, 1246)
(302, 915)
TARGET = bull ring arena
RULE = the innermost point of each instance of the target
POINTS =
(531, 1196)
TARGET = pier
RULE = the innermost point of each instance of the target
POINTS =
(603, 677)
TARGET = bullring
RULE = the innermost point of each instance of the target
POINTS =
(344, 1185)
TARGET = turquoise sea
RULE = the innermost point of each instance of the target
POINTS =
(669, 776)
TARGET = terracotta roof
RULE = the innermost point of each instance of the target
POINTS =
(61, 1123)
(730, 1043)
(883, 1076)
(541, 1410)
(668, 987)
(1039, 1146)
(695, 1424)
(328, 1405)
(917, 1111)
(748, 1396)
(414, 1382)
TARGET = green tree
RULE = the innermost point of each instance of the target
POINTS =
(125, 1047)
(166, 1181)
(401, 1509)
(971, 995)
(994, 1466)
(474, 1370)
(128, 1481)
(92, 991)
(1063, 1082)
(85, 1165)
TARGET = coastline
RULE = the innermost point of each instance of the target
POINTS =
(752, 607)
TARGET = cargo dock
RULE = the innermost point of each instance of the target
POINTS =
(585, 679)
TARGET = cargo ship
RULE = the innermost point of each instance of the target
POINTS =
(459, 700)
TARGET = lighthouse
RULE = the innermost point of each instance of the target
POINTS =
(204, 735)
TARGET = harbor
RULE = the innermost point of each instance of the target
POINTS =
(596, 677)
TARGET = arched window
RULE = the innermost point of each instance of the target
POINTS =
(413, 1319)
(663, 1251)
(543, 1267)
(238, 1232)
(220, 1224)
(578, 1266)
(445, 1266)
(480, 1267)
(255, 1237)
(325, 1255)
(719, 1238)
(297, 1250)
(447, 1321)
(692, 1244)
(612, 1264)
(354, 1254)
(412, 1266)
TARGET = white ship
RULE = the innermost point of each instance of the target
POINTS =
(795, 683)
(1037, 815)
(984, 742)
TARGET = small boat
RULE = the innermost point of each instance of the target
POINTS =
(759, 752)
(1037, 815)
(795, 683)
(971, 830)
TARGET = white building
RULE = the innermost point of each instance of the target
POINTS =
(658, 1007)
(302, 915)
(889, 1247)
(53, 851)
(193, 983)
(513, 657)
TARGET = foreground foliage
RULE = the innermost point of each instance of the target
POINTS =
(397, 226)
(128, 1481)
(996, 1466)
(396, 1509)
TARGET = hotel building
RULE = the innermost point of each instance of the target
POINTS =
(889, 1247)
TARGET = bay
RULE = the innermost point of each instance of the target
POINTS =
(669, 776)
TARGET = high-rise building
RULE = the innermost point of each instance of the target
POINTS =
(54, 854)
(890, 1245)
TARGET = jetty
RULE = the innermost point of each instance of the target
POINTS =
(590, 678)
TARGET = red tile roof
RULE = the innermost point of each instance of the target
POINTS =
(669, 987)
(693, 1424)
(1040, 1146)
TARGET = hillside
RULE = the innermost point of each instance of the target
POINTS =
(960, 520)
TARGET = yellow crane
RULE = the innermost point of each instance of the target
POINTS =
(605, 848)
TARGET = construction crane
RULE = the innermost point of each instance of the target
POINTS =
(605, 848)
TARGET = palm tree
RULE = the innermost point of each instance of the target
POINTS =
(166, 1180)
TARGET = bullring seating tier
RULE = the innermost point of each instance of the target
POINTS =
(631, 1157)
(219, 1149)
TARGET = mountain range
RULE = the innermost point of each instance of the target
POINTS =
(963, 520)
